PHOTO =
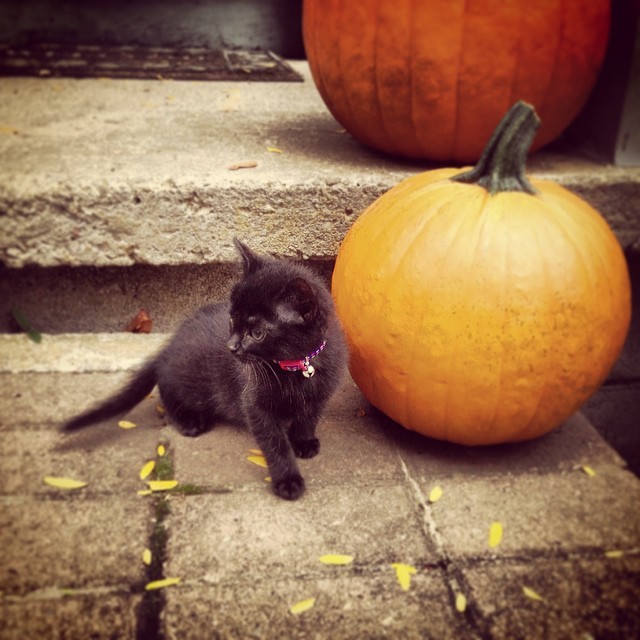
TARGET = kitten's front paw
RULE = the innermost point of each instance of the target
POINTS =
(289, 488)
(189, 431)
(306, 448)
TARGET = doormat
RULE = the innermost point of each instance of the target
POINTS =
(144, 63)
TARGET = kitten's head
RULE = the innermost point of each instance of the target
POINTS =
(278, 310)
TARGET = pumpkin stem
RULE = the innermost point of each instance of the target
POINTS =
(502, 163)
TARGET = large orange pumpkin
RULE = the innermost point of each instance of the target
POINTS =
(431, 79)
(482, 307)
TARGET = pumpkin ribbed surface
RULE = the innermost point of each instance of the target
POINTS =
(480, 318)
(431, 79)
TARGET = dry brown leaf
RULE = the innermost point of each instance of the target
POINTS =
(140, 323)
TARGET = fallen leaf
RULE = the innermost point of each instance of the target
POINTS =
(140, 323)
(162, 485)
(255, 452)
(274, 150)
(336, 558)
(614, 553)
(249, 164)
(144, 492)
(495, 534)
(25, 325)
(7, 129)
(435, 494)
(267, 479)
(161, 450)
(533, 595)
(588, 470)
(461, 602)
(302, 606)
(146, 556)
(404, 573)
(125, 424)
(161, 584)
(259, 460)
(64, 483)
(146, 470)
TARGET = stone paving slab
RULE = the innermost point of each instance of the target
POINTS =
(548, 513)
(347, 606)
(71, 543)
(255, 533)
(582, 598)
(59, 617)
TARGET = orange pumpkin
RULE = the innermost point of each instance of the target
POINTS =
(431, 79)
(482, 307)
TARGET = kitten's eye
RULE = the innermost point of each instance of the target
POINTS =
(258, 334)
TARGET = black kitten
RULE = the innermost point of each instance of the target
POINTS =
(270, 358)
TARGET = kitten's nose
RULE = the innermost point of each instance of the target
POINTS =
(233, 343)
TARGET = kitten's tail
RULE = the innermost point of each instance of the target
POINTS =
(128, 397)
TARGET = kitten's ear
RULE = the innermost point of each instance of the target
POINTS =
(251, 261)
(301, 296)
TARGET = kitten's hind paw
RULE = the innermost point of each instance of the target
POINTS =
(306, 448)
(289, 488)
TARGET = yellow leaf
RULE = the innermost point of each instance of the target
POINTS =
(530, 593)
(145, 492)
(435, 494)
(461, 602)
(146, 470)
(267, 479)
(495, 534)
(588, 470)
(404, 573)
(125, 424)
(259, 460)
(274, 150)
(162, 485)
(146, 556)
(336, 558)
(615, 553)
(161, 450)
(161, 584)
(302, 606)
(64, 483)
(255, 452)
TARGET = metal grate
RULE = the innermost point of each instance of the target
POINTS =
(164, 63)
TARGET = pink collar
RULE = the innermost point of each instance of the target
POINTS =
(302, 365)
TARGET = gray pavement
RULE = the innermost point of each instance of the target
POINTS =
(72, 559)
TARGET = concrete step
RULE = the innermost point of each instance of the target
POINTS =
(72, 561)
(117, 173)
